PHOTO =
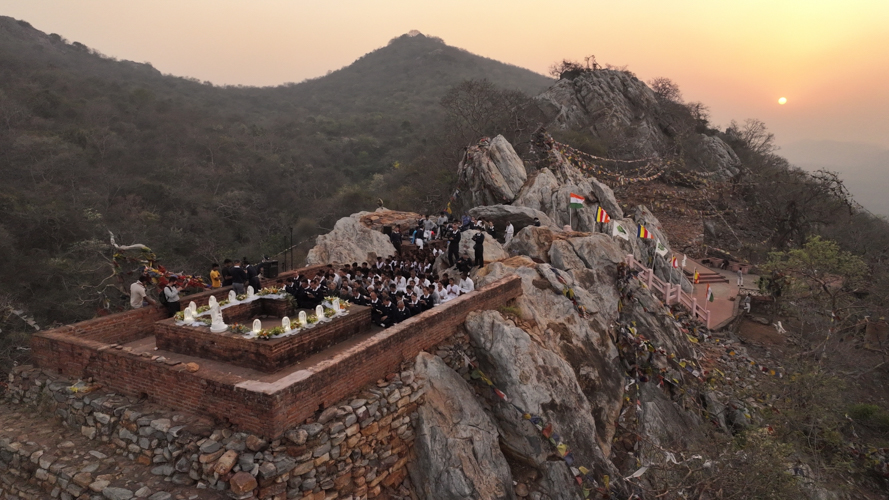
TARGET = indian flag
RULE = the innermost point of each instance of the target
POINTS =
(709, 294)
(644, 233)
(576, 201)
(602, 216)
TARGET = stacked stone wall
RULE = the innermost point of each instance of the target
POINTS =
(357, 448)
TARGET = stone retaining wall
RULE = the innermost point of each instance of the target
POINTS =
(356, 448)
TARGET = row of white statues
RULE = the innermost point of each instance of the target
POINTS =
(217, 324)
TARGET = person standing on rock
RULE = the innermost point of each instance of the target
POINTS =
(536, 222)
(395, 237)
(453, 246)
(510, 230)
(479, 247)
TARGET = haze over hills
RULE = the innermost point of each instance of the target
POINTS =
(863, 167)
(198, 172)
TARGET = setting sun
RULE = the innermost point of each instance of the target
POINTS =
(782, 100)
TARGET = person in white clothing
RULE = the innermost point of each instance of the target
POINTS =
(453, 291)
(509, 232)
(138, 296)
(466, 284)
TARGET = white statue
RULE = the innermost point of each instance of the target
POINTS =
(319, 312)
(250, 292)
(285, 323)
(336, 305)
(232, 297)
(188, 315)
(302, 318)
(257, 326)
(194, 308)
(212, 302)
(217, 325)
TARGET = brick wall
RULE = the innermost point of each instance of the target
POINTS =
(263, 355)
(266, 411)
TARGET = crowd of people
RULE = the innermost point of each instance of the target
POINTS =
(395, 288)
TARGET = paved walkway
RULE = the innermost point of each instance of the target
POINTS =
(725, 295)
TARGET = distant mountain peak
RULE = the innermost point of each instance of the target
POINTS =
(413, 33)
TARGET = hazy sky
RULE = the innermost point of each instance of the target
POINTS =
(830, 59)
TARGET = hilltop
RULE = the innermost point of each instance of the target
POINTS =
(95, 144)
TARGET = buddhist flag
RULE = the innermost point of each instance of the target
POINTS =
(709, 294)
(576, 201)
(697, 277)
(674, 262)
(660, 248)
(644, 233)
(620, 231)
(602, 215)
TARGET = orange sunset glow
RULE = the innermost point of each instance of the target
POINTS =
(833, 57)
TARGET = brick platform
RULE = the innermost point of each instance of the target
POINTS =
(262, 355)
(266, 404)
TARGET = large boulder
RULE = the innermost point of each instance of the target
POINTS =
(552, 321)
(533, 242)
(493, 250)
(542, 383)
(547, 193)
(350, 241)
(520, 216)
(457, 452)
(490, 173)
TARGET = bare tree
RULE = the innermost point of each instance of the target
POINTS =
(665, 89)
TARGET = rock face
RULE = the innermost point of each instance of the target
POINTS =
(624, 113)
(520, 216)
(612, 105)
(490, 174)
(493, 250)
(350, 241)
(456, 444)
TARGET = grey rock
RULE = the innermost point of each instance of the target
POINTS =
(160, 495)
(490, 175)
(210, 446)
(112, 493)
(456, 444)
(350, 241)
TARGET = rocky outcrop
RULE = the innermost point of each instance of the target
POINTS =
(490, 173)
(350, 241)
(625, 114)
(456, 446)
(546, 192)
(613, 106)
(493, 250)
(520, 216)
(533, 242)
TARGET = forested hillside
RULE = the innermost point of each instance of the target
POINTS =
(196, 172)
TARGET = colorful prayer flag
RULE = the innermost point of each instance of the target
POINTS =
(644, 233)
(660, 248)
(674, 262)
(602, 215)
(710, 296)
(576, 201)
(697, 278)
(619, 231)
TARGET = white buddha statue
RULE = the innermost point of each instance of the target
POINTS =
(285, 323)
(217, 325)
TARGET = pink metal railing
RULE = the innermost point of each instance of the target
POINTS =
(672, 294)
